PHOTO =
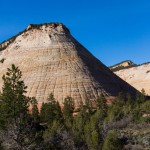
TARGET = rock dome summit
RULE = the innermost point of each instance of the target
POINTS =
(53, 61)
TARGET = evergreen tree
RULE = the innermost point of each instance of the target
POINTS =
(115, 112)
(112, 142)
(92, 134)
(13, 100)
(51, 98)
(43, 112)
(51, 111)
(140, 96)
(89, 107)
(143, 92)
(35, 111)
(102, 105)
(47, 110)
(78, 127)
(121, 98)
(95, 132)
(58, 113)
(14, 107)
(129, 98)
(68, 110)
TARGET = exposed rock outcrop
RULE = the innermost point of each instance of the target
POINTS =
(52, 61)
(139, 77)
(123, 65)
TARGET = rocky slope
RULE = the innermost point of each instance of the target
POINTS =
(139, 77)
(123, 65)
(52, 61)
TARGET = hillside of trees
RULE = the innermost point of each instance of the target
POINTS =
(123, 125)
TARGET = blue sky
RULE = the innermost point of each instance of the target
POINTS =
(112, 30)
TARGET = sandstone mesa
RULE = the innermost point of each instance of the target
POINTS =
(53, 61)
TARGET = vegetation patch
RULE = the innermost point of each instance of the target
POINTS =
(120, 126)
(2, 60)
(122, 67)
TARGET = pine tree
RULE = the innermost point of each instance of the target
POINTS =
(102, 105)
(112, 142)
(43, 112)
(35, 111)
(51, 98)
(92, 133)
(13, 100)
(129, 98)
(140, 97)
(55, 109)
(51, 111)
(68, 110)
(95, 132)
(14, 107)
(47, 110)
(89, 106)
(121, 98)
(58, 113)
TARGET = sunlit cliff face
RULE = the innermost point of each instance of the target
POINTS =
(53, 61)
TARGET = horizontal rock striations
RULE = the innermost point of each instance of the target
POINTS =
(139, 77)
(52, 61)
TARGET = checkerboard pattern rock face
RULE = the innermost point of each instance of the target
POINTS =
(53, 61)
(139, 77)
